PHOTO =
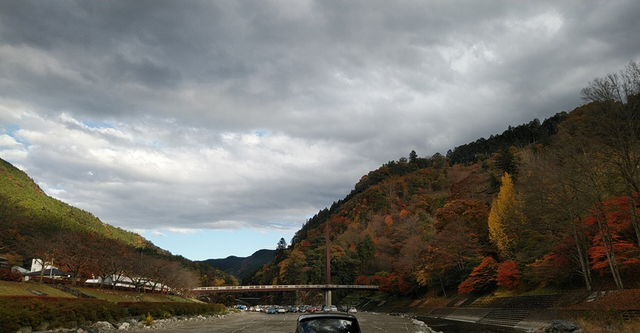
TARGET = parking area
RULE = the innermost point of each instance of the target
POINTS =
(253, 322)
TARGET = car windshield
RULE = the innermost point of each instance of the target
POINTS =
(328, 325)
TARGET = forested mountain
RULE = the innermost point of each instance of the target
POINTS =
(34, 225)
(21, 196)
(519, 136)
(242, 266)
(543, 204)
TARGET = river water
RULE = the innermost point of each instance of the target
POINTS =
(451, 326)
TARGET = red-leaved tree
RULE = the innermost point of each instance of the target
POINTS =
(508, 275)
(481, 278)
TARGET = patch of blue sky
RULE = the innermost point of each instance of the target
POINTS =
(155, 144)
(216, 244)
(96, 124)
(10, 130)
(261, 133)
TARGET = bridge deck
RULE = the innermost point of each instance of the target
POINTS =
(241, 289)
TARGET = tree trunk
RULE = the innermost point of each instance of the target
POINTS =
(634, 216)
(605, 236)
(582, 257)
(442, 286)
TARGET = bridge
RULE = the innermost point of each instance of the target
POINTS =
(266, 288)
(327, 288)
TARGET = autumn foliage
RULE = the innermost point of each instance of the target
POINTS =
(482, 278)
(508, 275)
(618, 222)
(551, 203)
(504, 217)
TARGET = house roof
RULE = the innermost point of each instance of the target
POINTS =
(20, 269)
(50, 272)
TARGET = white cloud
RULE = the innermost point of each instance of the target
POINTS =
(181, 230)
(8, 142)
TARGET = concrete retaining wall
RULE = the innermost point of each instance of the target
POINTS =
(524, 312)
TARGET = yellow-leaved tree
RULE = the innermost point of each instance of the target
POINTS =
(504, 219)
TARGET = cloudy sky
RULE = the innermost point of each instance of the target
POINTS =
(215, 128)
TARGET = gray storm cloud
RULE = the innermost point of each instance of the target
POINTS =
(256, 114)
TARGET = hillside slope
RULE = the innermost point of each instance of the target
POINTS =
(556, 210)
(34, 225)
(21, 197)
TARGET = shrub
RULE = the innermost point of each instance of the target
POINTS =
(170, 309)
(7, 274)
(16, 312)
(147, 320)
(22, 311)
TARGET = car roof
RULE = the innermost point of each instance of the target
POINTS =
(306, 317)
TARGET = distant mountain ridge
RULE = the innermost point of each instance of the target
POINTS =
(242, 266)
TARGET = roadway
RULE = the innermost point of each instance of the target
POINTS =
(257, 322)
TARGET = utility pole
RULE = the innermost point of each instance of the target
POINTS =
(327, 296)
(328, 253)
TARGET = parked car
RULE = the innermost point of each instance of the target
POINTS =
(327, 323)
(330, 308)
(271, 310)
(352, 310)
(281, 310)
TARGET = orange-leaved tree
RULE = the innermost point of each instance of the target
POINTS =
(505, 218)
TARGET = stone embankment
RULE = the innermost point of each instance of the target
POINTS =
(523, 312)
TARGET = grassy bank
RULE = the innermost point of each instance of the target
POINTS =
(43, 307)
(34, 289)
(30, 289)
(129, 296)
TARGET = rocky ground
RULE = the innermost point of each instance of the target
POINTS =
(131, 324)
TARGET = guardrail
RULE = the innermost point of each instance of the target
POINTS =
(227, 289)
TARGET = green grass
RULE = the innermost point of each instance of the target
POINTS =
(129, 296)
(22, 289)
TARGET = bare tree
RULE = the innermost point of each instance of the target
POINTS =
(75, 254)
(617, 126)
(44, 248)
(111, 259)
(554, 203)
